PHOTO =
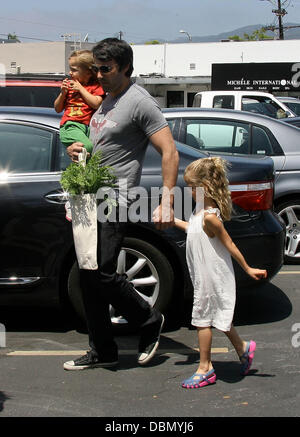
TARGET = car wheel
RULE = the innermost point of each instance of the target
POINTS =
(290, 213)
(146, 268)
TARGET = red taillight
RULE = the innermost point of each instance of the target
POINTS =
(252, 196)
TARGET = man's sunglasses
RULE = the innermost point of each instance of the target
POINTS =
(102, 68)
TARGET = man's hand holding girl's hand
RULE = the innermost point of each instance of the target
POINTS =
(163, 216)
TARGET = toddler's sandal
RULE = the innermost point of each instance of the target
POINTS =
(247, 357)
(199, 380)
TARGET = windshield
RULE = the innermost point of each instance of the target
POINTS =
(264, 106)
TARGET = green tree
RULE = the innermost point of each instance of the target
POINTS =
(236, 38)
(13, 36)
(155, 41)
(256, 35)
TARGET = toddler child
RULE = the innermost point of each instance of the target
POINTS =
(80, 96)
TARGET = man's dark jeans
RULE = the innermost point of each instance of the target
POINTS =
(104, 287)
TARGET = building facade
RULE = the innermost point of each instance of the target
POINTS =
(172, 73)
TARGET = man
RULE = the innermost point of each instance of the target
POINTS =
(121, 128)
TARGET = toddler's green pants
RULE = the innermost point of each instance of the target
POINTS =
(72, 131)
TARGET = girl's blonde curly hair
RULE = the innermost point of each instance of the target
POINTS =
(211, 174)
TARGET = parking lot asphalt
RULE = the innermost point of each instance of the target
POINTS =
(34, 384)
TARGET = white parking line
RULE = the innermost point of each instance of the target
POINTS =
(291, 272)
(44, 352)
(214, 350)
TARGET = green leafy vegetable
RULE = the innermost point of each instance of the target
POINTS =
(79, 179)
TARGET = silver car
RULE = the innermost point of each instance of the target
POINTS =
(223, 132)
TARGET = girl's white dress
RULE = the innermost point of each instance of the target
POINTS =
(212, 275)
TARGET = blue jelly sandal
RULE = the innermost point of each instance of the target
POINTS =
(199, 380)
(247, 357)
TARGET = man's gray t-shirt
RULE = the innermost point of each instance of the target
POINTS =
(121, 127)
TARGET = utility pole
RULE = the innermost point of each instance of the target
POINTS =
(120, 34)
(76, 39)
(280, 13)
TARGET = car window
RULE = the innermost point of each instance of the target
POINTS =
(226, 102)
(218, 135)
(64, 159)
(262, 105)
(294, 106)
(25, 149)
(261, 144)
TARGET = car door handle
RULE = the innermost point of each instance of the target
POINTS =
(57, 197)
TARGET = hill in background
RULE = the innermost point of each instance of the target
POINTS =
(288, 34)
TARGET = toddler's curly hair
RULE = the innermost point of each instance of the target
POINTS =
(211, 174)
(85, 59)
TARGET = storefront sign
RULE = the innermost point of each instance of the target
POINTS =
(256, 76)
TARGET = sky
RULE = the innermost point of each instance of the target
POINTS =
(138, 20)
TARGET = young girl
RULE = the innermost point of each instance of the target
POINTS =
(209, 249)
(79, 98)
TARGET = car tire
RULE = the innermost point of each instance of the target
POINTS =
(146, 267)
(290, 212)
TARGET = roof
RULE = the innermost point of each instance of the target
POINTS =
(46, 116)
(32, 80)
(31, 83)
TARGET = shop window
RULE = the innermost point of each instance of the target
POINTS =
(175, 99)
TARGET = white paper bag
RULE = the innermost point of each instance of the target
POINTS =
(84, 224)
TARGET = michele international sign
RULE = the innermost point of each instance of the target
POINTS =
(275, 76)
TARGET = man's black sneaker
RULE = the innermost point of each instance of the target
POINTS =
(88, 361)
(149, 341)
